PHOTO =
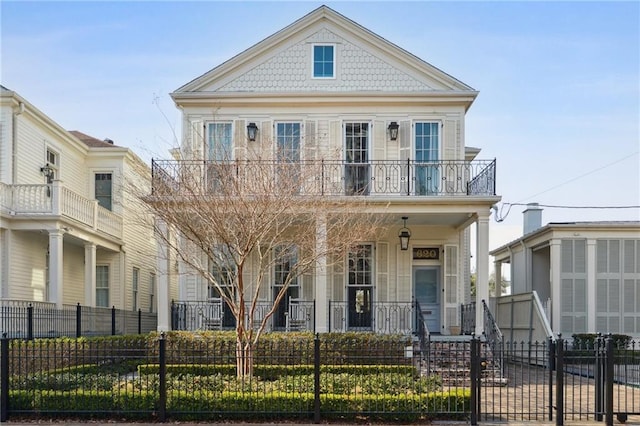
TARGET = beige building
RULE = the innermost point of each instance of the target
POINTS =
(70, 231)
(380, 123)
(586, 274)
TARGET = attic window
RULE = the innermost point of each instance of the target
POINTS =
(323, 61)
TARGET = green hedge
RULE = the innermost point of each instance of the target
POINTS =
(207, 405)
(273, 372)
(587, 340)
(219, 347)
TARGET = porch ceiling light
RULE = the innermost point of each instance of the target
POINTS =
(404, 235)
(47, 171)
(252, 131)
(393, 130)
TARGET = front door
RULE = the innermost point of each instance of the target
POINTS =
(426, 283)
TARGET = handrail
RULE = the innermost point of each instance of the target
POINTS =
(424, 335)
(491, 329)
(468, 318)
(542, 315)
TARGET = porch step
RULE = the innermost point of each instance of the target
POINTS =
(449, 357)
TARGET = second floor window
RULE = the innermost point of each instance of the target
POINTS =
(219, 142)
(104, 189)
(323, 61)
(288, 137)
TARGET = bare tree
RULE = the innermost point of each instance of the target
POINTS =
(237, 219)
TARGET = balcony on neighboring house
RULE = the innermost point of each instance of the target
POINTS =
(455, 178)
(55, 201)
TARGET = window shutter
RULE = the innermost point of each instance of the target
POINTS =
(573, 291)
(196, 139)
(451, 275)
(309, 141)
(335, 145)
(403, 273)
(240, 140)
(382, 272)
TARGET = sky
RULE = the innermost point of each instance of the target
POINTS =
(559, 82)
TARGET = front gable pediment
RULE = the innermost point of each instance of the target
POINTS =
(364, 62)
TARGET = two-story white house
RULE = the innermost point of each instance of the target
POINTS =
(70, 232)
(376, 121)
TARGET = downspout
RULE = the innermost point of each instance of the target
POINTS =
(14, 142)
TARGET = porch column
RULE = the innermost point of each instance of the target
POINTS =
(482, 268)
(90, 274)
(56, 237)
(322, 305)
(554, 255)
(497, 267)
(163, 257)
(591, 286)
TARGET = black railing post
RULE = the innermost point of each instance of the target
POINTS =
(174, 320)
(552, 367)
(559, 381)
(408, 176)
(162, 375)
(322, 177)
(330, 314)
(599, 376)
(608, 381)
(316, 379)
(139, 321)
(30, 322)
(113, 320)
(314, 315)
(475, 378)
(78, 320)
(4, 378)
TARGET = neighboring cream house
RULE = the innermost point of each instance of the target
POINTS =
(587, 274)
(326, 90)
(69, 231)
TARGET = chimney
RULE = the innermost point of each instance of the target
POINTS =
(109, 141)
(532, 218)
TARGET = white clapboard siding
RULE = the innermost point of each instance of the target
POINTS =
(382, 271)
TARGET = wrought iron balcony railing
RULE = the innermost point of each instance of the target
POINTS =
(402, 178)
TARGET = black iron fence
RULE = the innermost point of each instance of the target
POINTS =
(193, 376)
(29, 320)
(328, 177)
(336, 376)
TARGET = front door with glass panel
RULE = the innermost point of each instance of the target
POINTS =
(282, 269)
(427, 173)
(426, 284)
(357, 173)
(360, 288)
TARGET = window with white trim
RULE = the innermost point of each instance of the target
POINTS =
(324, 61)
(135, 278)
(102, 286)
(103, 187)
(152, 292)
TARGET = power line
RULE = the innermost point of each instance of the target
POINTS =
(499, 217)
(581, 176)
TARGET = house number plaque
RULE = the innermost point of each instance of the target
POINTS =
(426, 253)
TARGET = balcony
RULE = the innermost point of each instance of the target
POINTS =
(27, 201)
(450, 178)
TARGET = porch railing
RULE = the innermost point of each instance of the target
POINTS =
(379, 317)
(329, 177)
(197, 315)
(28, 320)
(57, 200)
(468, 318)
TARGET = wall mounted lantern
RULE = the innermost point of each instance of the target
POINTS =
(252, 131)
(47, 171)
(404, 235)
(393, 130)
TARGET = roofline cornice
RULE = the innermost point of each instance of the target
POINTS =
(183, 99)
